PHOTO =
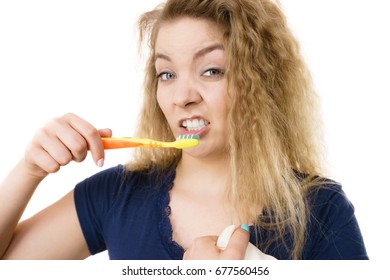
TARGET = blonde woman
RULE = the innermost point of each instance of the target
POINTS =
(230, 72)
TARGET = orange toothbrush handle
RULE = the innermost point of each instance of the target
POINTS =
(117, 144)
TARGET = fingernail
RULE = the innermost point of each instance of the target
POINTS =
(245, 227)
(100, 162)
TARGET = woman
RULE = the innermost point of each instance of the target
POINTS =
(231, 72)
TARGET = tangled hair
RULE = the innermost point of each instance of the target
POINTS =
(272, 113)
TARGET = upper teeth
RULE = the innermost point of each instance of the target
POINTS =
(195, 124)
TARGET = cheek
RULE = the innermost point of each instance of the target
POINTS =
(220, 103)
(162, 102)
(221, 111)
(165, 106)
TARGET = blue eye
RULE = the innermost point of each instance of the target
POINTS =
(165, 76)
(213, 72)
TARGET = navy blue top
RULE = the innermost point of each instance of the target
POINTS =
(128, 215)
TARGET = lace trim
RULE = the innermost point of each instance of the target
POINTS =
(165, 226)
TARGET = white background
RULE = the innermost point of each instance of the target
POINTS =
(80, 56)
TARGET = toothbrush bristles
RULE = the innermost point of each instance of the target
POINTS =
(188, 136)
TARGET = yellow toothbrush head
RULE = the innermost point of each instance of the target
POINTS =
(187, 141)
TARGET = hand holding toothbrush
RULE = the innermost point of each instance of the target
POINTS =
(62, 140)
(69, 138)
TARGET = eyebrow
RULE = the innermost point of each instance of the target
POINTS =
(199, 53)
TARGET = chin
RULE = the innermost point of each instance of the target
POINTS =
(201, 153)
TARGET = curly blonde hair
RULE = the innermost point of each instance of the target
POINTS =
(273, 122)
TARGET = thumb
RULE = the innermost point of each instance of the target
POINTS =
(236, 248)
(105, 132)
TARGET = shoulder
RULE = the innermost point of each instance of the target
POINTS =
(108, 175)
(104, 182)
(109, 183)
(333, 231)
(114, 204)
(327, 198)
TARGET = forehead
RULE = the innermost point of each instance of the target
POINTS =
(187, 34)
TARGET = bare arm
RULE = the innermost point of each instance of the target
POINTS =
(54, 232)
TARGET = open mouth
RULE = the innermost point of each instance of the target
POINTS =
(194, 124)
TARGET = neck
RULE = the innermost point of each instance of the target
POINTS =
(202, 173)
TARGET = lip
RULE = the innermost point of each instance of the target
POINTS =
(199, 132)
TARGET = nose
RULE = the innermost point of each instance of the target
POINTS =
(187, 92)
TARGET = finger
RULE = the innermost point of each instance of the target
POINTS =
(74, 142)
(53, 147)
(65, 139)
(237, 245)
(203, 248)
(41, 162)
(91, 136)
(106, 132)
(47, 162)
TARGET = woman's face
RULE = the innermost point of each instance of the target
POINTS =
(192, 88)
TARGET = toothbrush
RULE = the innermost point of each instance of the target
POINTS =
(182, 142)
